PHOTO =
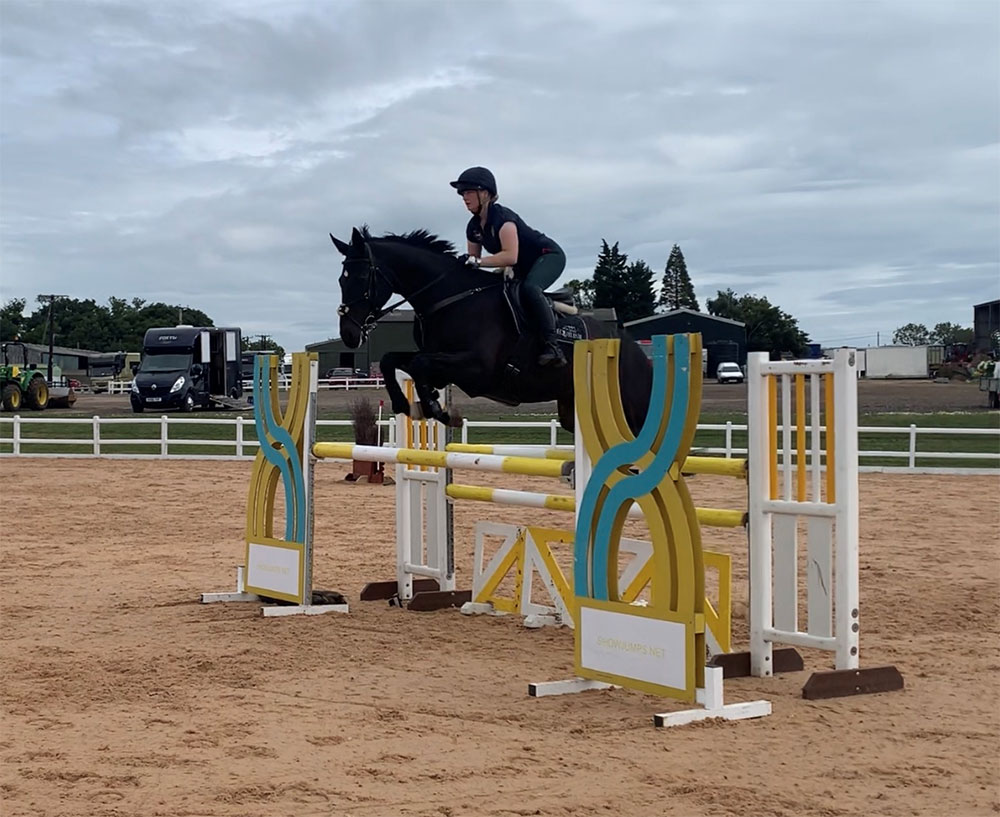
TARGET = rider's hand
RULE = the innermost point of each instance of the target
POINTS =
(469, 260)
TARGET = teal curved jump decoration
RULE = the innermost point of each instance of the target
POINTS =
(285, 458)
(594, 529)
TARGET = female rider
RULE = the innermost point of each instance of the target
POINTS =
(536, 259)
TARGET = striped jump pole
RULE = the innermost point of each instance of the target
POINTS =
(712, 517)
(525, 466)
(717, 466)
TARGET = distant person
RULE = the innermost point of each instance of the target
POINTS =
(536, 259)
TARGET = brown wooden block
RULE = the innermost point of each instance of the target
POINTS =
(737, 664)
(844, 682)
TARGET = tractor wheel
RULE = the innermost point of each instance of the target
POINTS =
(11, 397)
(37, 395)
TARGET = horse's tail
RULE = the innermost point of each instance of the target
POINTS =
(635, 372)
(635, 377)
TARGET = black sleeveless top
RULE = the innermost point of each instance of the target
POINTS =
(531, 244)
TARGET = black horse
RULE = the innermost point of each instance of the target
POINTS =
(467, 332)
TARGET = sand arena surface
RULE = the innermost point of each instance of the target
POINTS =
(122, 695)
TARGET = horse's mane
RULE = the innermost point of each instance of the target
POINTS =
(417, 238)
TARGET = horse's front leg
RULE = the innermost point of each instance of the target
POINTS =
(391, 361)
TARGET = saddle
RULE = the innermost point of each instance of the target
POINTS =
(569, 326)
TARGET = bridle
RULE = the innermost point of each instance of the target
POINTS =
(374, 272)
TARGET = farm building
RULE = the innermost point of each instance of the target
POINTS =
(986, 322)
(66, 362)
(725, 339)
(394, 333)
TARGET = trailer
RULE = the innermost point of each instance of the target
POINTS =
(900, 362)
(188, 367)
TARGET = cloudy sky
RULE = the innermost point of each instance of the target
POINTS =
(840, 158)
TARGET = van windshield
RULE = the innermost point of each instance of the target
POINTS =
(165, 363)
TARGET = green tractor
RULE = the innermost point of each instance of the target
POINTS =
(21, 384)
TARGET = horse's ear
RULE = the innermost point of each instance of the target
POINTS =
(357, 240)
(340, 245)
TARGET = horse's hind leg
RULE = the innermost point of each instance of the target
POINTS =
(566, 411)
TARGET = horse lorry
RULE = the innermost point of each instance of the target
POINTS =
(188, 367)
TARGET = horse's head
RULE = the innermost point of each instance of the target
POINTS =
(364, 289)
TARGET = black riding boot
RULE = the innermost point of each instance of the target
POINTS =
(544, 318)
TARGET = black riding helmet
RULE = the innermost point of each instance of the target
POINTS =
(476, 178)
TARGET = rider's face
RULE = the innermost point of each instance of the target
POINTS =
(472, 200)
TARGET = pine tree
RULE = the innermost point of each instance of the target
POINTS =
(611, 278)
(676, 291)
(640, 299)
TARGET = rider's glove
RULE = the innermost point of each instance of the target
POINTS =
(471, 261)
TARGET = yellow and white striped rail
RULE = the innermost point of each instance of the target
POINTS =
(716, 466)
(712, 517)
(549, 452)
(527, 466)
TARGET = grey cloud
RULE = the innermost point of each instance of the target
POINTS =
(201, 152)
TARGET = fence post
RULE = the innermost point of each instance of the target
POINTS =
(17, 434)
(729, 439)
(553, 432)
(239, 436)
(164, 436)
(465, 430)
(913, 446)
(97, 436)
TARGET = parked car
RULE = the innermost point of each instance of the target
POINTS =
(729, 373)
(340, 371)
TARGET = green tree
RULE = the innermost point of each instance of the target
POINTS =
(84, 324)
(949, 334)
(769, 329)
(583, 292)
(639, 297)
(911, 334)
(12, 319)
(611, 279)
(262, 343)
(676, 290)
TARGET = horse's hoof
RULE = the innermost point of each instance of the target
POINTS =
(434, 411)
(328, 597)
